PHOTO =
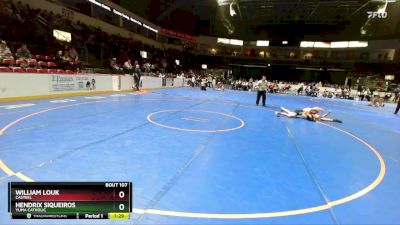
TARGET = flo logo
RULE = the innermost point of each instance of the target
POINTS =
(377, 14)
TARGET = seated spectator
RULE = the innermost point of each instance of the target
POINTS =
(146, 67)
(59, 56)
(60, 60)
(73, 59)
(160, 75)
(114, 65)
(182, 75)
(5, 52)
(23, 53)
(128, 66)
(66, 56)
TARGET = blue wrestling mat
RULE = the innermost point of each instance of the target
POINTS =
(211, 157)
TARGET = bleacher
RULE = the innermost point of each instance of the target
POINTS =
(37, 64)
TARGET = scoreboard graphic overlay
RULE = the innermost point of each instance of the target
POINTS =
(70, 200)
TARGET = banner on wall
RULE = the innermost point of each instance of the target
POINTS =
(178, 34)
(59, 82)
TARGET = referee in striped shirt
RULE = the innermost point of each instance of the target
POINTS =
(261, 86)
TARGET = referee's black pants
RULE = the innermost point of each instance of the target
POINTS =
(398, 106)
(259, 94)
(137, 81)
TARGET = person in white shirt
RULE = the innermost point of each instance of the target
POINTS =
(5, 52)
(250, 84)
(203, 84)
(193, 80)
(220, 86)
(367, 94)
(114, 65)
(182, 75)
(128, 66)
(261, 87)
(338, 92)
(146, 67)
(209, 81)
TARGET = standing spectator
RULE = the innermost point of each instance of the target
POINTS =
(5, 52)
(146, 67)
(74, 58)
(160, 75)
(129, 69)
(367, 94)
(193, 80)
(66, 53)
(73, 55)
(203, 84)
(209, 81)
(251, 84)
(214, 82)
(300, 90)
(361, 93)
